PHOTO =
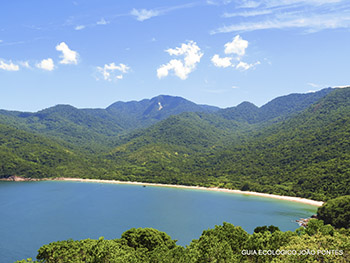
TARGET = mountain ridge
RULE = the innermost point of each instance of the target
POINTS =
(297, 149)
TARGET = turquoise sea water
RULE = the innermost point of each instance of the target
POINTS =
(37, 213)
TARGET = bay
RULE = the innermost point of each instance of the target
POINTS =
(36, 213)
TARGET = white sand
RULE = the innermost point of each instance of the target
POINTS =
(281, 197)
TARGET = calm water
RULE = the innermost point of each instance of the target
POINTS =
(37, 213)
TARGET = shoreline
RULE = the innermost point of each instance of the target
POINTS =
(216, 189)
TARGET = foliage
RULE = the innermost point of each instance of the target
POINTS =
(262, 229)
(226, 243)
(336, 212)
(297, 145)
(147, 238)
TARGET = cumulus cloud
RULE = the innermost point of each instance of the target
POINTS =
(237, 46)
(68, 56)
(221, 62)
(46, 64)
(182, 68)
(144, 14)
(112, 71)
(8, 66)
(237, 49)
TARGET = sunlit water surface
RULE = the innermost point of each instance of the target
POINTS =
(36, 213)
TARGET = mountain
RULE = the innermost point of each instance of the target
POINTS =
(295, 145)
(307, 155)
(30, 155)
(67, 124)
(97, 129)
(278, 108)
(304, 155)
(138, 114)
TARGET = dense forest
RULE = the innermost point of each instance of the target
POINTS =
(297, 145)
(224, 243)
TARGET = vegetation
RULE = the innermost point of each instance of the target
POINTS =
(297, 145)
(226, 243)
(336, 212)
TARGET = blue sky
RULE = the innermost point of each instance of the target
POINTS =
(91, 53)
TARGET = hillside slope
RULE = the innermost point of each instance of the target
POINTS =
(29, 155)
(97, 129)
(299, 153)
(307, 155)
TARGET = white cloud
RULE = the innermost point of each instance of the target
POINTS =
(235, 87)
(245, 66)
(68, 56)
(218, 2)
(144, 14)
(237, 46)
(182, 68)
(112, 71)
(248, 13)
(80, 27)
(46, 64)
(102, 22)
(308, 15)
(314, 85)
(221, 62)
(8, 66)
(277, 3)
(249, 4)
(311, 24)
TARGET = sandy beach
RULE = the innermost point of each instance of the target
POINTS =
(287, 198)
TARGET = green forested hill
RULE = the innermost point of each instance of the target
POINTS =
(295, 145)
(306, 155)
(140, 114)
(34, 156)
(97, 129)
(65, 123)
(279, 108)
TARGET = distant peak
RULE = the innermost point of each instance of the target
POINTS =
(59, 107)
(246, 104)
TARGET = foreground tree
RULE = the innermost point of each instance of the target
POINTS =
(336, 212)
